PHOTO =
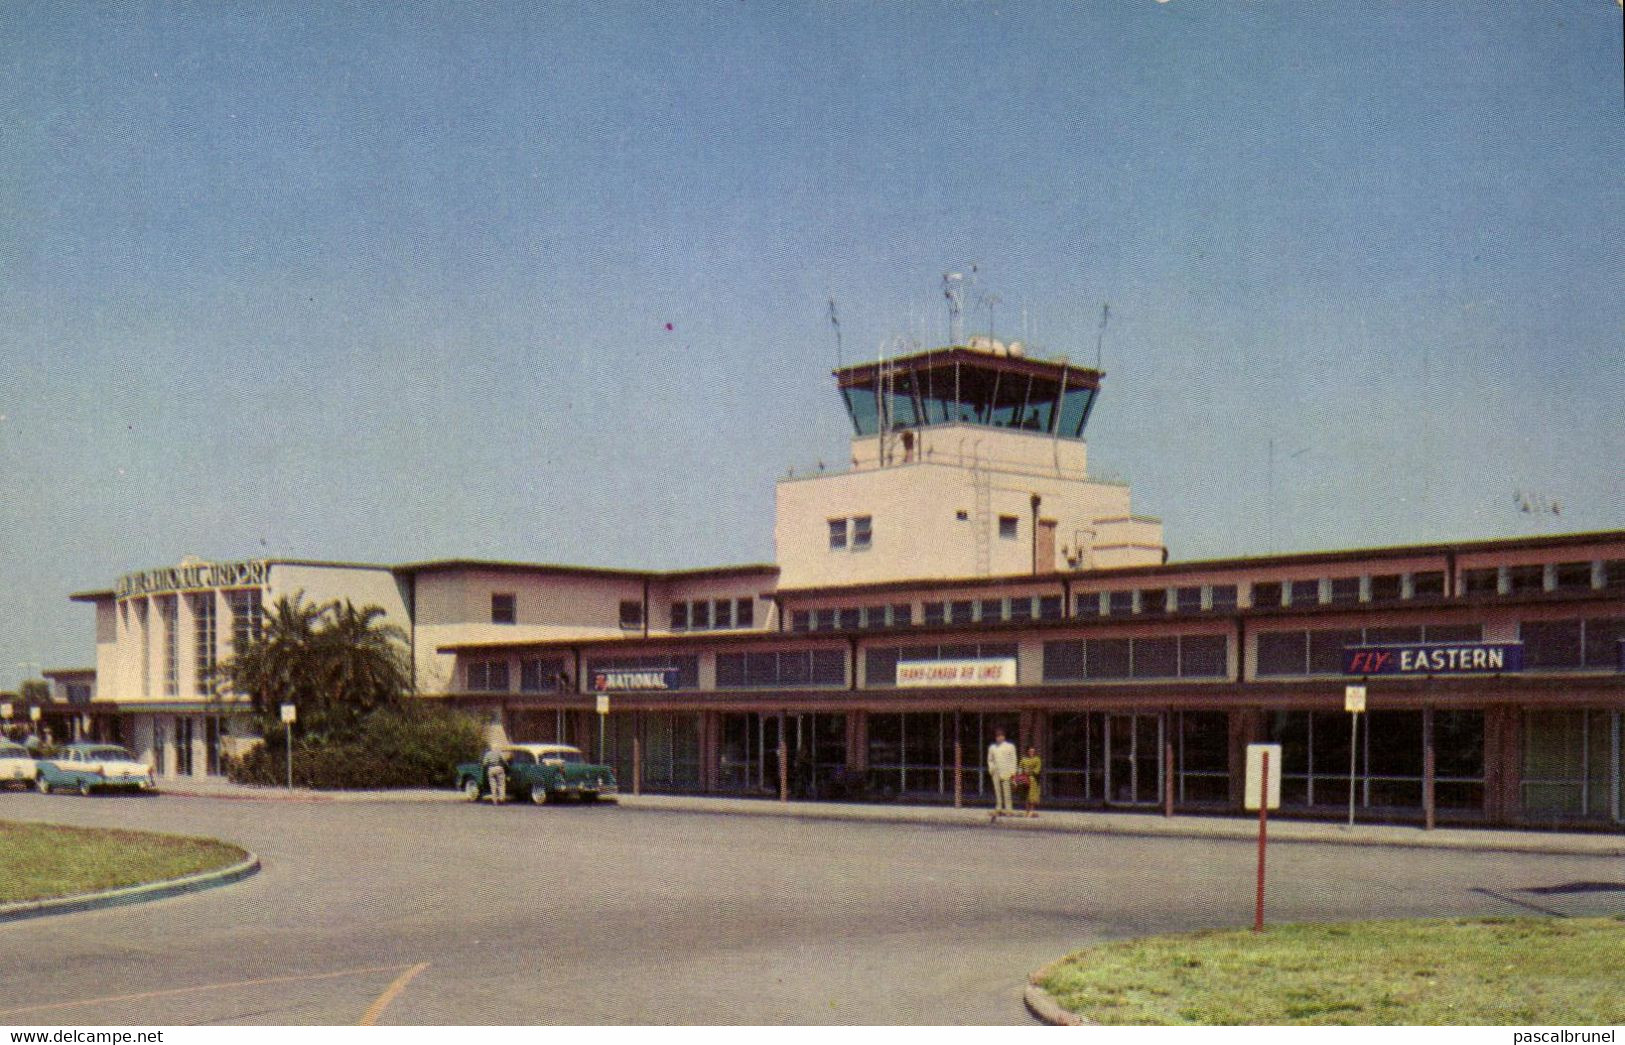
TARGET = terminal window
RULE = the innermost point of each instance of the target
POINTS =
(837, 534)
(1007, 527)
(1223, 596)
(1267, 594)
(722, 613)
(1386, 586)
(1572, 575)
(862, 531)
(744, 613)
(504, 609)
(631, 614)
(1428, 585)
(1345, 589)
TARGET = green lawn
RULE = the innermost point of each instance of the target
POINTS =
(1470, 971)
(41, 860)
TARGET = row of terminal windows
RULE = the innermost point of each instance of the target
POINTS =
(1539, 577)
(536, 675)
(856, 533)
(1167, 656)
(707, 614)
(1574, 643)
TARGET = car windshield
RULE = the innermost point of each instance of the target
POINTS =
(108, 754)
(520, 758)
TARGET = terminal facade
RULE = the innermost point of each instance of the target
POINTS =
(967, 575)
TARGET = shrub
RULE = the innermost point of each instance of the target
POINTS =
(414, 746)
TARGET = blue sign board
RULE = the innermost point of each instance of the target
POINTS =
(620, 679)
(1434, 658)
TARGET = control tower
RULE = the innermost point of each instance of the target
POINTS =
(967, 461)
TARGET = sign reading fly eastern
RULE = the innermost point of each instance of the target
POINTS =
(1434, 658)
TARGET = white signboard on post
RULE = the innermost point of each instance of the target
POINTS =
(290, 713)
(1257, 786)
(1354, 699)
(603, 703)
(5, 710)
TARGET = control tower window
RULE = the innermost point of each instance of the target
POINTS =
(837, 534)
(962, 386)
(1007, 527)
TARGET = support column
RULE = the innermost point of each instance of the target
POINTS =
(959, 765)
(1429, 802)
(1168, 720)
(710, 742)
(784, 757)
(857, 741)
(637, 753)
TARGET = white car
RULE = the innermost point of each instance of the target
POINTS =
(17, 766)
(93, 767)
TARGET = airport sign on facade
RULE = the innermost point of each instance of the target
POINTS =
(1434, 658)
(989, 671)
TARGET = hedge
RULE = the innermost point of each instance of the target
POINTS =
(417, 747)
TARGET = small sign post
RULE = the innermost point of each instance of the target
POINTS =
(1263, 793)
(290, 714)
(5, 710)
(603, 716)
(1353, 703)
(33, 713)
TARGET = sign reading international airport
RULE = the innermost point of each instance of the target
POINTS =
(1434, 658)
(636, 678)
(989, 671)
(194, 576)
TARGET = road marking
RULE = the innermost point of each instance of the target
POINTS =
(376, 1009)
(204, 987)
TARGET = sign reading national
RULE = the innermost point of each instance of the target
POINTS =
(636, 678)
(1434, 658)
(990, 671)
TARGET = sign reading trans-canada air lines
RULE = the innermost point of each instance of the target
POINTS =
(193, 576)
(1434, 658)
(986, 671)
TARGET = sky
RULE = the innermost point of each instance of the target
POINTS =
(550, 282)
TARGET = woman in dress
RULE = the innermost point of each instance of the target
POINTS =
(1032, 765)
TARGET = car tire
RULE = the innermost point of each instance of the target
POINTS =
(538, 795)
(471, 789)
(84, 788)
(42, 785)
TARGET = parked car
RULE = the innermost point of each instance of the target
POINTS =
(92, 767)
(16, 765)
(541, 773)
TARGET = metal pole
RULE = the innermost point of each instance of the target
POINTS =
(1168, 770)
(637, 764)
(288, 726)
(1354, 733)
(1263, 829)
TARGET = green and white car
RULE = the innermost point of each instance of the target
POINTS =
(16, 765)
(92, 767)
(541, 772)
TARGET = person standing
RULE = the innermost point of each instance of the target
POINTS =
(496, 776)
(1001, 767)
(1031, 766)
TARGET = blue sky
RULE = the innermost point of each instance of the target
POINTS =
(384, 283)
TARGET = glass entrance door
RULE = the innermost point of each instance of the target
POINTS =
(1134, 759)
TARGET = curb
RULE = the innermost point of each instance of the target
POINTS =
(130, 894)
(1042, 1003)
(1610, 847)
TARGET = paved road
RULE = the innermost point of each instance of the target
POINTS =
(459, 914)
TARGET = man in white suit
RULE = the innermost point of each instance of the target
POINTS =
(1001, 767)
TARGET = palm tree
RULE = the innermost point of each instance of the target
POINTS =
(333, 661)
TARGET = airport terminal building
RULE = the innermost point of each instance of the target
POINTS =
(966, 574)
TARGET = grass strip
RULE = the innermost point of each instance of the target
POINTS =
(1455, 972)
(44, 860)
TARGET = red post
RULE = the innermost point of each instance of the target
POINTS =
(1263, 822)
(1168, 775)
(959, 773)
(637, 762)
(784, 762)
